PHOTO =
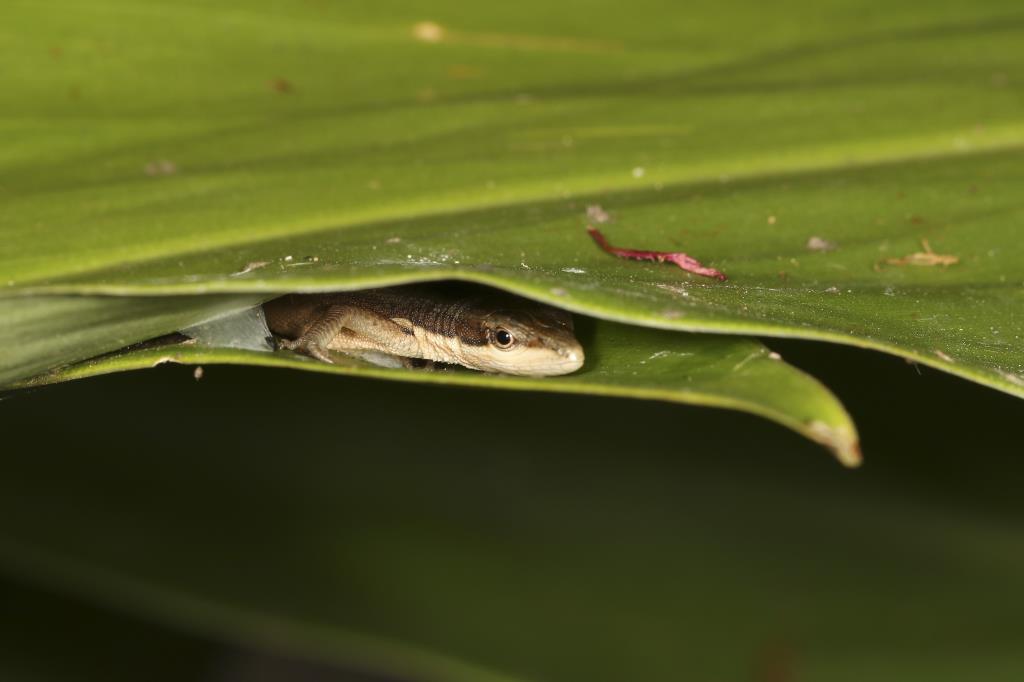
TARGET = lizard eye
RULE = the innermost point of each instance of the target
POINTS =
(503, 339)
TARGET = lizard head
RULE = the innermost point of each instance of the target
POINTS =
(534, 340)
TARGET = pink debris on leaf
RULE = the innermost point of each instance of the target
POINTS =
(681, 259)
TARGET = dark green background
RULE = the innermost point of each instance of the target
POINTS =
(539, 535)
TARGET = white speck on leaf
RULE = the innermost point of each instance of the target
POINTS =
(675, 289)
(819, 244)
(597, 214)
(639, 172)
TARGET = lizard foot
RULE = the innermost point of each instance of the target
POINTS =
(305, 347)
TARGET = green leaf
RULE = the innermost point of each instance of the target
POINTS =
(622, 361)
(40, 332)
(161, 147)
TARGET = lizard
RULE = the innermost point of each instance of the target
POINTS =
(478, 328)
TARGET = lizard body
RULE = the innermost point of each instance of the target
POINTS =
(482, 329)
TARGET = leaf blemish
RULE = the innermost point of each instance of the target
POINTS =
(1014, 379)
(739, 365)
(428, 32)
(281, 85)
(820, 244)
(249, 267)
(664, 354)
(596, 214)
(162, 167)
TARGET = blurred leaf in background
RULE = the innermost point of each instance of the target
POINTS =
(432, 533)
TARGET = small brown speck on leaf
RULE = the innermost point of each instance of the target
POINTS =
(281, 85)
(916, 219)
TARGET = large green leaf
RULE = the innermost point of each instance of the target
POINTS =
(622, 361)
(160, 147)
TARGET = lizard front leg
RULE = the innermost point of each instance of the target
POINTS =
(355, 331)
(315, 340)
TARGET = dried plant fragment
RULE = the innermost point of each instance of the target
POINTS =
(249, 267)
(926, 258)
(681, 259)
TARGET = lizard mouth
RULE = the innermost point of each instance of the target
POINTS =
(541, 362)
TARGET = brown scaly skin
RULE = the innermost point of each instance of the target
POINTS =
(481, 329)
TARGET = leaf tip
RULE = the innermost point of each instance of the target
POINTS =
(841, 440)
